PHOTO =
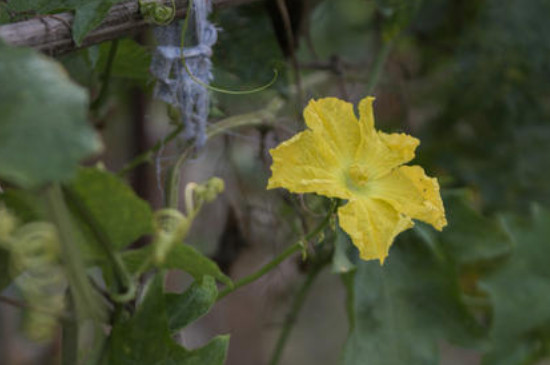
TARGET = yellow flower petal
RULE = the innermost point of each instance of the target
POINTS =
(304, 164)
(366, 115)
(401, 144)
(411, 192)
(334, 120)
(372, 225)
(380, 152)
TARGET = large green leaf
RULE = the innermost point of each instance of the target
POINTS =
(146, 338)
(470, 237)
(402, 309)
(520, 291)
(103, 200)
(194, 303)
(182, 257)
(43, 126)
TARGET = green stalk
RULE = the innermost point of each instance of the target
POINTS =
(126, 287)
(86, 303)
(69, 340)
(298, 246)
(106, 79)
(259, 117)
(295, 308)
(264, 270)
(147, 156)
(378, 66)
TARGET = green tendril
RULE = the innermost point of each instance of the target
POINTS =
(210, 87)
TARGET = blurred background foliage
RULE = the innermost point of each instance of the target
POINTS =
(469, 78)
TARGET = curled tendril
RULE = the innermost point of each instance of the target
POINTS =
(171, 227)
(211, 87)
(198, 194)
(157, 13)
(35, 264)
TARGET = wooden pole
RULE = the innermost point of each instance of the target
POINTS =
(51, 34)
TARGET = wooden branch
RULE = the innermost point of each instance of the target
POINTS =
(52, 34)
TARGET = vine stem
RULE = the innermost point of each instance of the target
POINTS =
(106, 79)
(259, 117)
(297, 246)
(292, 315)
(147, 156)
(69, 333)
(126, 287)
(85, 301)
(378, 66)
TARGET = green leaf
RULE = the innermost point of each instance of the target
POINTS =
(195, 302)
(182, 257)
(405, 307)
(520, 287)
(113, 206)
(469, 236)
(89, 14)
(26, 206)
(146, 339)
(44, 131)
(131, 62)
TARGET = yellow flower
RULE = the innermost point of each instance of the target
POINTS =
(342, 157)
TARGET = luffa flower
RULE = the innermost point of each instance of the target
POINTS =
(342, 157)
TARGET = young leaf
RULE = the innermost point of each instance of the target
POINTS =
(113, 205)
(405, 307)
(182, 309)
(43, 125)
(146, 338)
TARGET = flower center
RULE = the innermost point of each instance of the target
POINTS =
(358, 175)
